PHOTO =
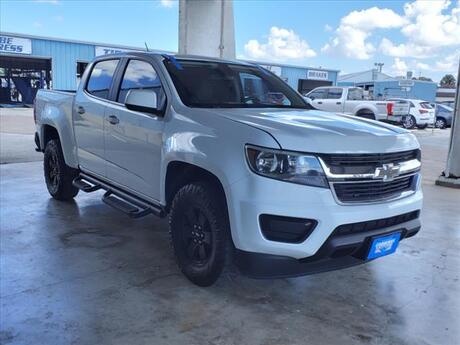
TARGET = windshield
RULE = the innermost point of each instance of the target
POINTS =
(209, 84)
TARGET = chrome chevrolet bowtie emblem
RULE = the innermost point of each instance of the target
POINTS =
(387, 172)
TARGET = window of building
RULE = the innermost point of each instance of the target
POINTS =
(101, 78)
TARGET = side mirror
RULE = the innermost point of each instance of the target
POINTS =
(142, 100)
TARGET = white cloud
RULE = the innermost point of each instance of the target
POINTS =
(282, 44)
(449, 63)
(432, 24)
(355, 28)
(328, 28)
(387, 47)
(167, 3)
(58, 18)
(399, 67)
(37, 24)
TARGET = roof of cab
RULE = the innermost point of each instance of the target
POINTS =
(176, 56)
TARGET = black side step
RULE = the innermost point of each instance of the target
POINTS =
(126, 202)
(134, 210)
(85, 186)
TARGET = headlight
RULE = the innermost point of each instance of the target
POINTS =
(286, 166)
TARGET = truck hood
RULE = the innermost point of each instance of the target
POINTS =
(322, 132)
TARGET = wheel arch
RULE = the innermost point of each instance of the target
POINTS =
(180, 173)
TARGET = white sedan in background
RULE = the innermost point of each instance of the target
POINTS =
(421, 113)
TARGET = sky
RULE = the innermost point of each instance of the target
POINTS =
(419, 36)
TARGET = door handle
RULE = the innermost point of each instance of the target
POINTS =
(320, 102)
(81, 110)
(113, 119)
(338, 103)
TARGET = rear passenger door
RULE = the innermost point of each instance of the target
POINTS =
(88, 116)
(134, 140)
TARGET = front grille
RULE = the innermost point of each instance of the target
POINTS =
(347, 229)
(365, 163)
(372, 191)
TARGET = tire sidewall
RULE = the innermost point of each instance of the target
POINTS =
(64, 190)
(201, 196)
(410, 125)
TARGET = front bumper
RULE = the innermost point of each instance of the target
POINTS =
(253, 196)
(339, 251)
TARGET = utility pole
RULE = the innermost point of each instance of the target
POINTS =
(379, 66)
(450, 177)
(207, 28)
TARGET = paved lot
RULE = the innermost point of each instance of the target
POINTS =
(17, 130)
(81, 273)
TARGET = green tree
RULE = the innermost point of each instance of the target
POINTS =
(448, 80)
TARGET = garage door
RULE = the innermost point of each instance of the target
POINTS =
(306, 85)
(21, 78)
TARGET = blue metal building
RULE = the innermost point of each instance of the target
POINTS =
(28, 63)
(383, 86)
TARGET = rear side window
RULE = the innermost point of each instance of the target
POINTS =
(141, 75)
(334, 93)
(355, 94)
(426, 105)
(101, 77)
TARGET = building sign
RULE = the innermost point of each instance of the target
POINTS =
(406, 83)
(110, 50)
(15, 45)
(317, 75)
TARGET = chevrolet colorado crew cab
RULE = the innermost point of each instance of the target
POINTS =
(246, 171)
(351, 101)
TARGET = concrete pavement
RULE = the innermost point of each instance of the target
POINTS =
(82, 273)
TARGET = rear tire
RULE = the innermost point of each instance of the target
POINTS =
(58, 175)
(200, 232)
(409, 122)
(366, 114)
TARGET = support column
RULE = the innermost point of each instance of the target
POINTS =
(451, 175)
(206, 27)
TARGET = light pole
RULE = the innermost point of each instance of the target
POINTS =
(450, 177)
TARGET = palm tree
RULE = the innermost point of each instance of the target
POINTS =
(448, 81)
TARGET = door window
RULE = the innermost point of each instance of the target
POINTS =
(334, 93)
(141, 75)
(317, 94)
(101, 78)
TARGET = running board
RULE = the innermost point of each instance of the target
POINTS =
(125, 202)
(85, 186)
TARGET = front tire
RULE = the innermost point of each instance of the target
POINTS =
(199, 230)
(440, 123)
(409, 122)
(58, 175)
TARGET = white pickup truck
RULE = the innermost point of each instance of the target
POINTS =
(351, 100)
(246, 171)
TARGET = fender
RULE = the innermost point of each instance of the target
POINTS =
(55, 109)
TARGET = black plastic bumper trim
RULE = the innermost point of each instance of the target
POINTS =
(336, 253)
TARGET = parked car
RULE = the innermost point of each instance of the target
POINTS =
(444, 115)
(421, 113)
(450, 104)
(244, 168)
(351, 100)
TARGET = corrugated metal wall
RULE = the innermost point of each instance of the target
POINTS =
(420, 90)
(64, 57)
